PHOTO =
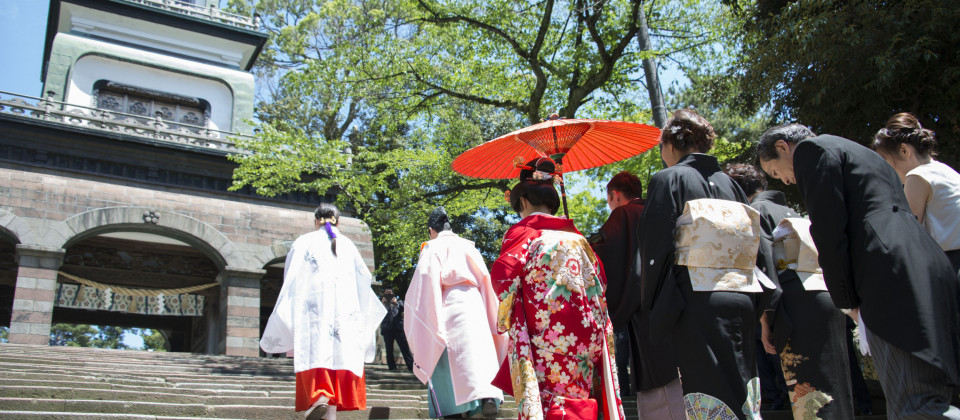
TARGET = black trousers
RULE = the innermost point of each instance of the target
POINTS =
(401, 339)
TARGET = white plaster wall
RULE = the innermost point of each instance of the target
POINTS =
(91, 68)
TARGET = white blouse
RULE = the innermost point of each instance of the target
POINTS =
(942, 214)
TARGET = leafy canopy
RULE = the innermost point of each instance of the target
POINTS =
(368, 101)
(845, 66)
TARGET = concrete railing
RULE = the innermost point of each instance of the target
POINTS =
(211, 13)
(156, 128)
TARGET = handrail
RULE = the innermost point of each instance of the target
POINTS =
(155, 128)
(209, 13)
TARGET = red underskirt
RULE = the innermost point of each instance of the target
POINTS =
(345, 390)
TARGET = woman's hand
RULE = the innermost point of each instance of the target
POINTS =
(766, 335)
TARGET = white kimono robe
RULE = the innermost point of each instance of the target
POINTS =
(326, 312)
(451, 305)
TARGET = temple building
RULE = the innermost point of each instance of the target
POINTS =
(114, 201)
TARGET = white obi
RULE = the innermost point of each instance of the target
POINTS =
(718, 241)
(793, 249)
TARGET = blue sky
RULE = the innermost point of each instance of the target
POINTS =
(22, 27)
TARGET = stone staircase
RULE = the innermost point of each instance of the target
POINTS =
(76, 383)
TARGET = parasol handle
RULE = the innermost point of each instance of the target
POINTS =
(563, 189)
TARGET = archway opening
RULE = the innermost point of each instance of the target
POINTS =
(137, 280)
(8, 280)
(270, 286)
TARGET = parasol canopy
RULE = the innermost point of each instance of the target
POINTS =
(575, 144)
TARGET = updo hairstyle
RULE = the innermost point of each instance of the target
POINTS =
(688, 132)
(536, 191)
(904, 128)
(750, 180)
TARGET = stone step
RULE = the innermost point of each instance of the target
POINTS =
(15, 415)
(57, 407)
(151, 387)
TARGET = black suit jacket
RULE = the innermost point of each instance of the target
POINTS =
(873, 252)
(617, 246)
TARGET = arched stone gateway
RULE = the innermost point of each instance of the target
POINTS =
(141, 219)
(231, 324)
(13, 229)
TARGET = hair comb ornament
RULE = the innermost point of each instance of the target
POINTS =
(541, 176)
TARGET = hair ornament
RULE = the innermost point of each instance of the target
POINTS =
(675, 129)
(541, 176)
(329, 228)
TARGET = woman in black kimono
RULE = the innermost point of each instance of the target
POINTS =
(807, 331)
(878, 263)
(713, 332)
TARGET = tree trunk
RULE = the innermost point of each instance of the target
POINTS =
(650, 68)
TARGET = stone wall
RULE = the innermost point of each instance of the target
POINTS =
(46, 211)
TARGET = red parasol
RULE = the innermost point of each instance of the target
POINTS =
(574, 144)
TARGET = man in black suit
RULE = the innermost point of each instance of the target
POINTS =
(653, 368)
(879, 264)
(391, 328)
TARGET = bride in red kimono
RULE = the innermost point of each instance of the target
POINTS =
(551, 289)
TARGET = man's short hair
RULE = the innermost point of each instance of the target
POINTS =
(750, 180)
(627, 183)
(790, 133)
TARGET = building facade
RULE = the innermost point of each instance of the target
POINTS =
(114, 201)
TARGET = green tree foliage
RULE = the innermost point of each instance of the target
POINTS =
(108, 338)
(4, 334)
(73, 335)
(104, 337)
(153, 340)
(845, 66)
(370, 100)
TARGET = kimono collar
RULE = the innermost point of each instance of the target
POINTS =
(700, 162)
(775, 197)
(543, 221)
(447, 233)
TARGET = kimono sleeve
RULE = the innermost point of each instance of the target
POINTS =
(422, 321)
(513, 253)
(278, 334)
(657, 241)
(363, 273)
(820, 177)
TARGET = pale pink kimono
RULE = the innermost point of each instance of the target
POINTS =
(451, 305)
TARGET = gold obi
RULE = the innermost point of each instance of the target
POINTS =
(793, 249)
(718, 241)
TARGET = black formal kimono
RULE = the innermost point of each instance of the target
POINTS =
(772, 206)
(875, 255)
(653, 362)
(809, 333)
(713, 332)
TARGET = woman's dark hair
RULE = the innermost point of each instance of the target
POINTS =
(539, 164)
(329, 215)
(627, 183)
(750, 180)
(791, 133)
(686, 130)
(904, 128)
(536, 191)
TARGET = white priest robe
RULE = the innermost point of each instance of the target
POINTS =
(451, 305)
(326, 312)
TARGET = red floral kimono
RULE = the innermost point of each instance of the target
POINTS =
(551, 288)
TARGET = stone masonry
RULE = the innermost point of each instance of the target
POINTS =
(46, 210)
